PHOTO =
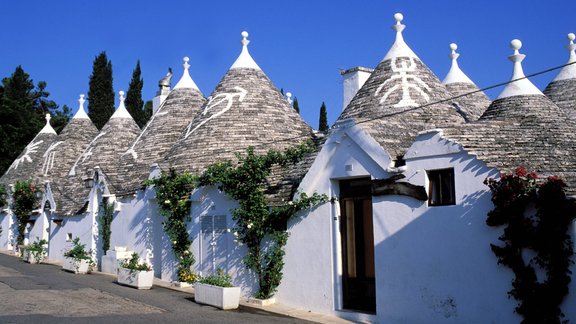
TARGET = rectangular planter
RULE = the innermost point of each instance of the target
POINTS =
(136, 279)
(71, 265)
(221, 297)
(33, 260)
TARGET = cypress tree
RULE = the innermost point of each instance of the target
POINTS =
(323, 120)
(134, 103)
(148, 110)
(295, 105)
(101, 92)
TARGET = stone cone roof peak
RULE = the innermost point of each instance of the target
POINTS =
(245, 60)
(399, 48)
(81, 113)
(121, 111)
(186, 80)
(48, 128)
(569, 71)
(519, 84)
(455, 75)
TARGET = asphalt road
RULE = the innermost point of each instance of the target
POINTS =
(43, 293)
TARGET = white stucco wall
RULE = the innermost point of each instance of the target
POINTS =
(7, 238)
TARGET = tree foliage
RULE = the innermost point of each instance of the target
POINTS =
(323, 120)
(134, 103)
(148, 110)
(541, 281)
(24, 201)
(296, 105)
(101, 91)
(23, 107)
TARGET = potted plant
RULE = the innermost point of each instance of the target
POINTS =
(218, 291)
(77, 259)
(35, 252)
(135, 273)
(187, 277)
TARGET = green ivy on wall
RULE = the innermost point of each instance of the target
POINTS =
(545, 232)
(3, 196)
(173, 192)
(260, 226)
(106, 222)
(24, 199)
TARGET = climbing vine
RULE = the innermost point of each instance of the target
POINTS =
(3, 196)
(106, 222)
(259, 225)
(541, 281)
(173, 194)
(24, 199)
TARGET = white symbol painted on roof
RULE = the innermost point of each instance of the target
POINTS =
(49, 157)
(30, 149)
(87, 153)
(403, 78)
(215, 101)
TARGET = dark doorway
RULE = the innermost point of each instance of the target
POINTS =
(356, 231)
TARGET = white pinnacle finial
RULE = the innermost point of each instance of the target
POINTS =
(289, 97)
(455, 75)
(48, 128)
(245, 60)
(81, 113)
(569, 71)
(186, 80)
(520, 85)
(244, 40)
(121, 112)
(399, 48)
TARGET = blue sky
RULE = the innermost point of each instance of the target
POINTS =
(301, 45)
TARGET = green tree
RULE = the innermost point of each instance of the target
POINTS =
(295, 105)
(148, 110)
(323, 120)
(101, 91)
(134, 103)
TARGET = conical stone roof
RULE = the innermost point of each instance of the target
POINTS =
(401, 97)
(29, 164)
(161, 132)
(103, 151)
(562, 90)
(244, 110)
(469, 99)
(521, 128)
(71, 142)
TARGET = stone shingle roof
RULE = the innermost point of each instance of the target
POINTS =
(29, 164)
(563, 94)
(104, 151)
(73, 139)
(401, 98)
(244, 110)
(158, 137)
(470, 101)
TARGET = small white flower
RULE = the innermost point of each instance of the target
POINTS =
(167, 201)
(173, 242)
(236, 234)
(249, 225)
(290, 203)
(228, 230)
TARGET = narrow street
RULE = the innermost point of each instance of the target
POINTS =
(43, 293)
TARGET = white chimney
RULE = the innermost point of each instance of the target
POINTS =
(354, 79)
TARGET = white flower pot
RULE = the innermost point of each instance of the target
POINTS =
(33, 260)
(137, 279)
(221, 297)
(77, 266)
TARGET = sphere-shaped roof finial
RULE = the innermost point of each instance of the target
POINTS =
(516, 44)
(453, 47)
(571, 37)
(245, 40)
(186, 66)
(81, 100)
(398, 17)
(121, 94)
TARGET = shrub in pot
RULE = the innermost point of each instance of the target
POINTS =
(217, 291)
(135, 273)
(77, 259)
(35, 252)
